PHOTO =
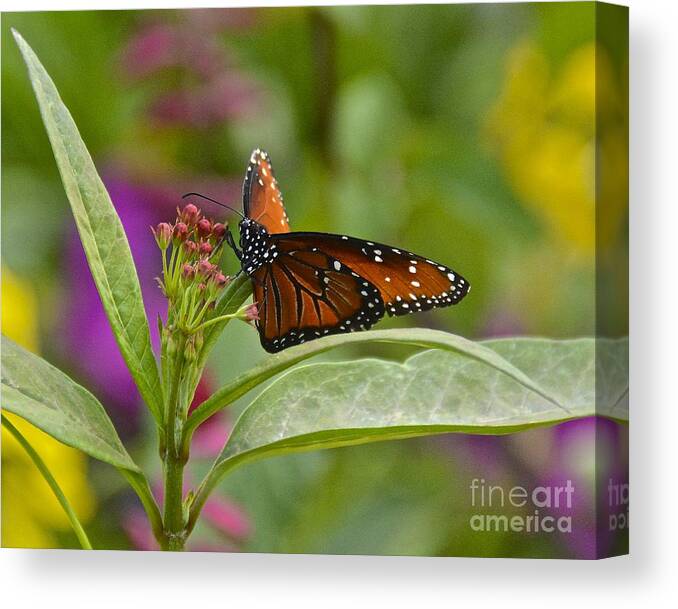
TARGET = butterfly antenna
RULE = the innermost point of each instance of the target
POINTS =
(197, 194)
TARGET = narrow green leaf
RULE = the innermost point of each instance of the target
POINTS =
(43, 395)
(414, 336)
(76, 525)
(101, 233)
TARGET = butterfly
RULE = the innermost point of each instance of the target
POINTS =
(308, 285)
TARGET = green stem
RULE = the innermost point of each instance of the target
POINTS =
(173, 461)
(198, 318)
(213, 321)
(164, 265)
(53, 484)
(174, 534)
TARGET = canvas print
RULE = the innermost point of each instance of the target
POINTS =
(326, 280)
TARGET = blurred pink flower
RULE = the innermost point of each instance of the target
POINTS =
(138, 530)
(220, 99)
(227, 517)
(209, 88)
(150, 50)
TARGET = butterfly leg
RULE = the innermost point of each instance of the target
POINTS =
(232, 245)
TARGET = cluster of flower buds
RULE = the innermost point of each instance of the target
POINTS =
(191, 230)
(206, 276)
(192, 278)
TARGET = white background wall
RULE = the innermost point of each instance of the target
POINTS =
(648, 579)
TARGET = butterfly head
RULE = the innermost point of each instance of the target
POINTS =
(251, 230)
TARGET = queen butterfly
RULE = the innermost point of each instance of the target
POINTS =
(309, 285)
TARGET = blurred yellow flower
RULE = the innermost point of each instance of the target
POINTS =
(544, 127)
(30, 512)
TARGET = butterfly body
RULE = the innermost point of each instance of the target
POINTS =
(257, 247)
(308, 285)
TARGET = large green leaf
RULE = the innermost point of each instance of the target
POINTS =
(101, 233)
(327, 405)
(590, 376)
(349, 402)
(43, 395)
(412, 336)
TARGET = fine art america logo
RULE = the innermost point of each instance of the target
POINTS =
(544, 509)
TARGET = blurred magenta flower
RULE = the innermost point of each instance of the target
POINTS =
(574, 443)
(551, 457)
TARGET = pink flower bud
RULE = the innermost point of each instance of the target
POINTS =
(205, 268)
(163, 235)
(180, 232)
(205, 249)
(219, 230)
(191, 247)
(187, 271)
(201, 288)
(221, 280)
(190, 214)
(204, 227)
(252, 312)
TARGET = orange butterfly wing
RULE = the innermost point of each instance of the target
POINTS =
(262, 200)
(407, 282)
(305, 294)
